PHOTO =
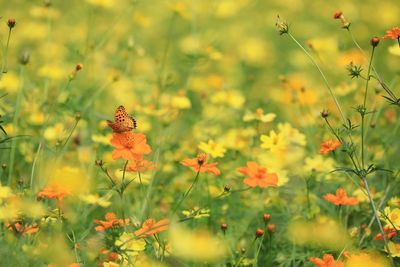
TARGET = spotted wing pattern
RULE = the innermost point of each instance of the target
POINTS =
(122, 121)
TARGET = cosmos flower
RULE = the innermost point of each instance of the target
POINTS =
(341, 198)
(53, 192)
(110, 222)
(327, 261)
(258, 176)
(141, 165)
(151, 227)
(329, 146)
(199, 164)
(393, 33)
(129, 146)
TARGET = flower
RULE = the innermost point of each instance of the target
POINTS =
(129, 146)
(326, 261)
(258, 176)
(151, 227)
(130, 245)
(141, 165)
(329, 146)
(199, 164)
(212, 148)
(390, 232)
(394, 33)
(259, 115)
(110, 222)
(273, 141)
(341, 198)
(53, 192)
(21, 229)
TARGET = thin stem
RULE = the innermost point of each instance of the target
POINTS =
(34, 164)
(364, 110)
(258, 252)
(377, 219)
(323, 77)
(188, 191)
(5, 62)
(15, 123)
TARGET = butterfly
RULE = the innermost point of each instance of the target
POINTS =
(122, 121)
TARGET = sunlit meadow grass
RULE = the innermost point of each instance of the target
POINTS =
(199, 133)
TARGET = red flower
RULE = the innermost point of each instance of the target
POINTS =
(341, 198)
(111, 221)
(129, 146)
(140, 166)
(151, 227)
(326, 261)
(199, 164)
(53, 192)
(389, 233)
(258, 176)
(21, 229)
(394, 33)
(329, 146)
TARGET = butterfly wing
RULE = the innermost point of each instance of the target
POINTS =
(122, 121)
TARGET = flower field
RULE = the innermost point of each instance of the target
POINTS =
(200, 133)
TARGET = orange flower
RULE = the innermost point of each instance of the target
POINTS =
(329, 146)
(258, 176)
(129, 146)
(151, 227)
(389, 233)
(199, 164)
(140, 166)
(53, 192)
(111, 221)
(394, 33)
(21, 229)
(341, 198)
(326, 261)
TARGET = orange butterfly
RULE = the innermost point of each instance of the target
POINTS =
(122, 121)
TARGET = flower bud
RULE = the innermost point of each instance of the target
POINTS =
(324, 114)
(266, 217)
(271, 228)
(3, 166)
(259, 232)
(375, 41)
(224, 227)
(99, 162)
(24, 57)
(337, 14)
(11, 23)
(78, 67)
(227, 188)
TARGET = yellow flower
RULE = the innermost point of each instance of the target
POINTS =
(394, 249)
(5, 192)
(291, 134)
(54, 133)
(129, 243)
(212, 148)
(394, 50)
(231, 98)
(259, 116)
(102, 3)
(9, 82)
(366, 259)
(196, 245)
(394, 202)
(96, 200)
(54, 72)
(273, 141)
(319, 163)
(391, 217)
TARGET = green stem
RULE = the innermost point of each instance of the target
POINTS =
(188, 191)
(15, 125)
(258, 252)
(4, 67)
(323, 77)
(364, 110)
(377, 219)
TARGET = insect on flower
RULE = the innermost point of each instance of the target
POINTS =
(123, 122)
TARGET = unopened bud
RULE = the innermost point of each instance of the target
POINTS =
(375, 41)
(271, 228)
(24, 57)
(99, 162)
(259, 232)
(324, 114)
(78, 67)
(337, 14)
(77, 116)
(227, 188)
(266, 217)
(224, 227)
(11, 23)
(3, 166)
